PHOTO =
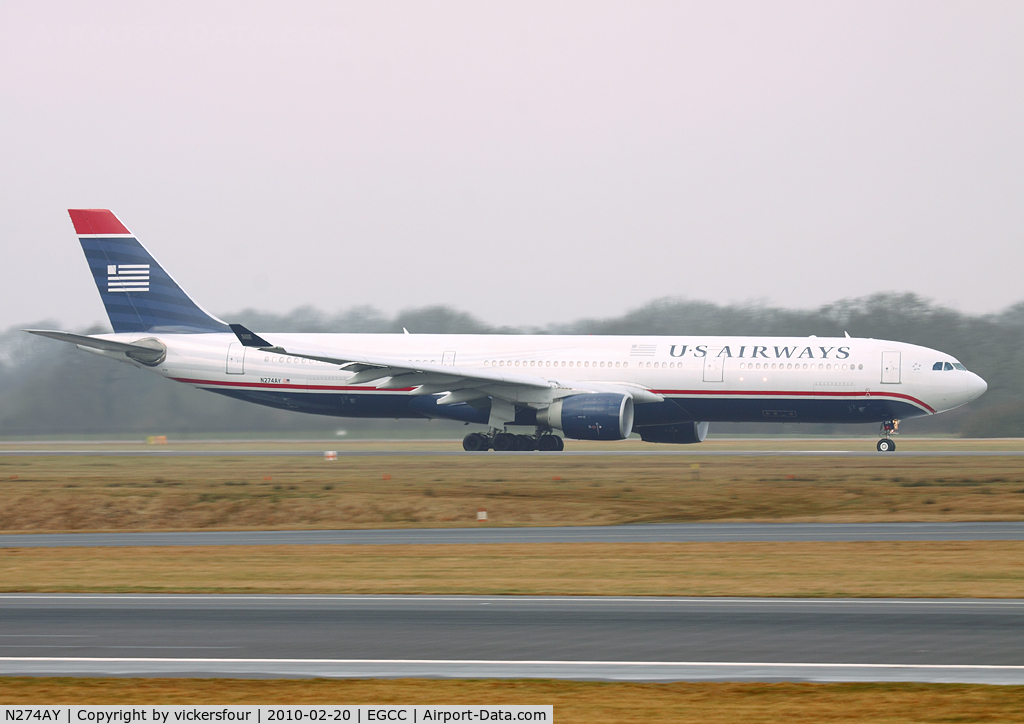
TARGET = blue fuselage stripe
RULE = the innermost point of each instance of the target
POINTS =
(675, 409)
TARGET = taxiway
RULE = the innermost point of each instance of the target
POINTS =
(649, 533)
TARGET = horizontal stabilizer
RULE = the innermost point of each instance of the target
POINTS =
(146, 351)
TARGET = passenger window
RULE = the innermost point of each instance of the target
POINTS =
(937, 366)
(948, 366)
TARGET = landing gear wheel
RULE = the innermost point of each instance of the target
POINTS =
(475, 442)
(561, 443)
(886, 445)
(524, 443)
(503, 442)
(550, 443)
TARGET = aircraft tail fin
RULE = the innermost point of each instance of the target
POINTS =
(138, 294)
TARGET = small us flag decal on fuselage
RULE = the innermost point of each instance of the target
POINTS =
(127, 277)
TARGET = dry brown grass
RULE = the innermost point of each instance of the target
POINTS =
(111, 493)
(879, 569)
(582, 702)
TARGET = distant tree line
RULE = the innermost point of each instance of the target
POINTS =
(50, 388)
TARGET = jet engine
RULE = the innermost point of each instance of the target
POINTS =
(598, 416)
(681, 433)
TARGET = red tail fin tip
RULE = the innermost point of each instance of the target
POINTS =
(96, 221)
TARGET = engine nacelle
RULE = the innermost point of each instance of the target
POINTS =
(598, 416)
(681, 433)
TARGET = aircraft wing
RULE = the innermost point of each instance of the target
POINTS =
(461, 384)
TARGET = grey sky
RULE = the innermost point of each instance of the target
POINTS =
(527, 162)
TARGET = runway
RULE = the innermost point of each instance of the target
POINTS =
(652, 533)
(651, 639)
(565, 453)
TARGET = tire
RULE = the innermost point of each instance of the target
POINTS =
(548, 443)
(524, 443)
(474, 442)
(886, 445)
(561, 443)
(503, 442)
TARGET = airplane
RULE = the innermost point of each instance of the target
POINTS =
(667, 389)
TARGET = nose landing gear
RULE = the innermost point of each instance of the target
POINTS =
(887, 444)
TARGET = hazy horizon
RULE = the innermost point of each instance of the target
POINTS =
(531, 163)
(378, 316)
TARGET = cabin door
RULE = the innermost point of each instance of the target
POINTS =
(236, 359)
(713, 366)
(891, 368)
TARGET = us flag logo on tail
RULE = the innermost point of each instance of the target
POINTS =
(128, 277)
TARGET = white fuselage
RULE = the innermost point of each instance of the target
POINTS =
(712, 378)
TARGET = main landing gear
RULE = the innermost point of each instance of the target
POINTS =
(507, 442)
(887, 444)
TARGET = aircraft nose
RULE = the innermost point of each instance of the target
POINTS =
(976, 386)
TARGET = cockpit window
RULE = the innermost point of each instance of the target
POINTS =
(959, 366)
(948, 366)
(937, 366)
